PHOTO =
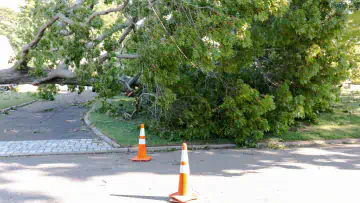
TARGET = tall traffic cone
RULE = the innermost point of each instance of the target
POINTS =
(184, 193)
(142, 147)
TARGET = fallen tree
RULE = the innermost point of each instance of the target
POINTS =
(20, 76)
(21, 73)
(208, 69)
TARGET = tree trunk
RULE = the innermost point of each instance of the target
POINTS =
(17, 76)
(57, 76)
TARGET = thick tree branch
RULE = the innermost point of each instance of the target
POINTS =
(127, 86)
(42, 29)
(129, 26)
(25, 50)
(134, 80)
(119, 8)
(104, 35)
(20, 76)
(61, 75)
(129, 82)
(103, 58)
(66, 19)
(127, 30)
(56, 74)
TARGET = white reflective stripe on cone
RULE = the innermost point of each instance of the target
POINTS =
(142, 141)
(142, 132)
(184, 156)
(185, 169)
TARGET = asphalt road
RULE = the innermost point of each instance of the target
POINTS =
(48, 120)
(299, 175)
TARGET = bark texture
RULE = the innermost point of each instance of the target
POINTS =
(20, 72)
(22, 76)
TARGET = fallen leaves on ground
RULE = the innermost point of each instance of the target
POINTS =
(70, 121)
(13, 130)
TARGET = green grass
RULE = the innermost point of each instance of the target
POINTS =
(126, 132)
(343, 122)
(8, 99)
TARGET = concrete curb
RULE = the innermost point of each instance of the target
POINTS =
(306, 143)
(150, 150)
(97, 131)
(127, 150)
(17, 106)
(115, 150)
(190, 147)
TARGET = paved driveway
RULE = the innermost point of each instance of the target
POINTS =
(48, 120)
(49, 127)
(302, 175)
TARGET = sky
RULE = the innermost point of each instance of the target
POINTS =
(5, 53)
(13, 4)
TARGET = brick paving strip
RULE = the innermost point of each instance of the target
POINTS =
(90, 146)
(80, 146)
(46, 147)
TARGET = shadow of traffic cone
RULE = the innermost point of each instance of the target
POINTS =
(142, 147)
(184, 193)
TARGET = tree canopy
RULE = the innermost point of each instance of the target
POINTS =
(204, 69)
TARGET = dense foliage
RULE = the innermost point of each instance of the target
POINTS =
(351, 39)
(209, 69)
(20, 27)
(47, 92)
(7, 18)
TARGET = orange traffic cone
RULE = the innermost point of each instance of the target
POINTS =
(184, 193)
(142, 147)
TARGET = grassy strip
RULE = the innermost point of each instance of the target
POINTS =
(126, 132)
(8, 99)
(342, 123)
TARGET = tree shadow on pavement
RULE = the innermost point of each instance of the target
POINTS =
(11, 196)
(211, 163)
(160, 198)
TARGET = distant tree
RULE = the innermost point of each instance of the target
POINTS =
(7, 21)
(351, 39)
